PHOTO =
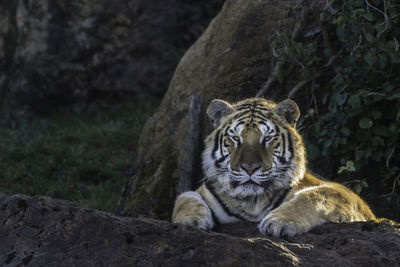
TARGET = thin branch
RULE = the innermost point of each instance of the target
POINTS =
(389, 157)
(393, 192)
(315, 100)
(377, 9)
(328, 5)
(396, 181)
(301, 84)
(352, 181)
(271, 79)
(299, 27)
(384, 13)
(297, 87)
(357, 46)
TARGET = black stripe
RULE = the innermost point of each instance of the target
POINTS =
(267, 128)
(262, 108)
(290, 146)
(282, 159)
(226, 131)
(221, 159)
(242, 114)
(220, 144)
(226, 143)
(263, 115)
(283, 144)
(215, 218)
(258, 116)
(208, 185)
(277, 129)
(245, 118)
(280, 198)
(237, 124)
(244, 106)
(215, 144)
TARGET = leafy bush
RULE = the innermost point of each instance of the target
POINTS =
(352, 126)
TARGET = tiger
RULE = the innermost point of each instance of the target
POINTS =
(254, 163)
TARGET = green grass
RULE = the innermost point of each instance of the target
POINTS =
(85, 159)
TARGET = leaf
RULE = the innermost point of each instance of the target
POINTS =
(376, 114)
(377, 156)
(312, 152)
(364, 183)
(394, 96)
(395, 59)
(359, 154)
(369, 37)
(368, 16)
(348, 168)
(365, 123)
(316, 129)
(357, 188)
(377, 141)
(327, 52)
(354, 101)
(382, 61)
(349, 60)
(370, 59)
(343, 140)
(327, 143)
(345, 131)
(340, 33)
(388, 87)
(381, 131)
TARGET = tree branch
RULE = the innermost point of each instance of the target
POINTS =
(191, 145)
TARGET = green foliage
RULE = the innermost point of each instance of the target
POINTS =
(81, 158)
(356, 122)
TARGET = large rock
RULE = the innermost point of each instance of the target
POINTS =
(61, 53)
(39, 231)
(231, 60)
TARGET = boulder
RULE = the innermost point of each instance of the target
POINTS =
(231, 60)
(56, 54)
(40, 231)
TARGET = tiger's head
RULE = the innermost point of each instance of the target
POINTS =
(254, 148)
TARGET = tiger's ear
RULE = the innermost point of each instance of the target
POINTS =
(217, 110)
(288, 110)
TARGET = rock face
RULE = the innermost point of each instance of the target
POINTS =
(67, 52)
(39, 231)
(231, 60)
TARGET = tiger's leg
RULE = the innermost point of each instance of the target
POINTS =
(314, 206)
(191, 209)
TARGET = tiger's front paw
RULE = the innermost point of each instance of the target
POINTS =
(191, 209)
(197, 222)
(276, 224)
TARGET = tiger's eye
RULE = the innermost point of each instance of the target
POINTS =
(267, 138)
(236, 138)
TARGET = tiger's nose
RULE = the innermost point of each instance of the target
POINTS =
(250, 168)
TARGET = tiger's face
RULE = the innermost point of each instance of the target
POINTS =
(254, 148)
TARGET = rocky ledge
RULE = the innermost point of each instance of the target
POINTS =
(40, 231)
